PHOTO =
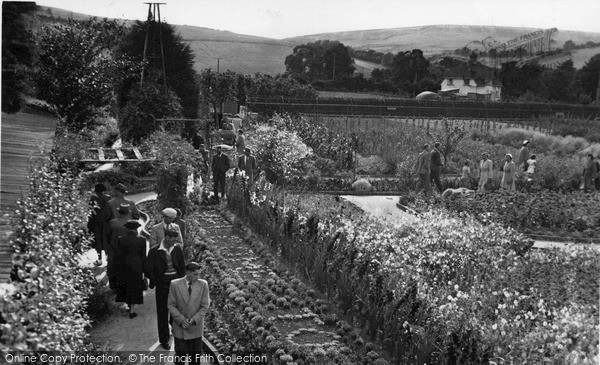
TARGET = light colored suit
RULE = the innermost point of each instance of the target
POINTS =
(183, 306)
(157, 233)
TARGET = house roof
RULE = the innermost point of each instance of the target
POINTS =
(482, 74)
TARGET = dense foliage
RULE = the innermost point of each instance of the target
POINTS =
(545, 212)
(320, 60)
(179, 71)
(18, 51)
(440, 288)
(45, 308)
(77, 70)
(146, 104)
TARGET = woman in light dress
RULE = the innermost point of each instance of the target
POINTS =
(486, 171)
(508, 174)
(531, 165)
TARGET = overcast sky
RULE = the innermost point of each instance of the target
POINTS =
(288, 18)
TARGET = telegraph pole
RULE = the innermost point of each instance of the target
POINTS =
(154, 17)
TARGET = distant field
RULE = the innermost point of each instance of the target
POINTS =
(581, 56)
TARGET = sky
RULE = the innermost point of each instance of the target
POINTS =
(286, 18)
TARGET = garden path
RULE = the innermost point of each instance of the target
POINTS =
(22, 136)
(385, 207)
(295, 319)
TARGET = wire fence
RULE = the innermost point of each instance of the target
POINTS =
(422, 108)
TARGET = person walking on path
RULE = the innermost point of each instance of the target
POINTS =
(119, 198)
(116, 229)
(240, 142)
(524, 155)
(98, 202)
(465, 179)
(157, 232)
(486, 171)
(508, 174)
(220, 165)
(247, 163)
(436, 166)
(188, 303)
(165, 263)
(422, 168)
(132, 249)
(179, 221)
(589, 173)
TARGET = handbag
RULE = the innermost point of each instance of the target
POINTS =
(145, 283)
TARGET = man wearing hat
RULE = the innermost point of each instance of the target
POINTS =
(524, 155)
(157, 232)
(164, 263)
(220, 165)
(247, 163)
(119, 198)
(116, 229)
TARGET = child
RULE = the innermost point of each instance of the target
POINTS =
(466, 175)
(530, 167)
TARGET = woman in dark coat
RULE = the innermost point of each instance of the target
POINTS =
(132, 249)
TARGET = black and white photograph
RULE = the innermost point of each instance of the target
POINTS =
(317, 182)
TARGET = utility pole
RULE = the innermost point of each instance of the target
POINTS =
(153, 18)
(218, 61)
(598, 92)
(334, 66)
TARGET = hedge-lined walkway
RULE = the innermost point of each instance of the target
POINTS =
(22, 136)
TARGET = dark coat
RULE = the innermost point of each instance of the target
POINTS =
(156, 263)
(132, 250)
(436, 160)
(249, 167)
(220, 163)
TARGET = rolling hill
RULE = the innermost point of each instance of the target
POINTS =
(251, 54)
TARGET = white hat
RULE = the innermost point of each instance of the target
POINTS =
(169, 212)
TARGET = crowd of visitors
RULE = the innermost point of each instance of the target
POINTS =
(137, 262)
(429, 166)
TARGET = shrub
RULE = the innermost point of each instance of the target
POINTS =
(175, 160)
(67, 150)
(46, 310)
(278, 152)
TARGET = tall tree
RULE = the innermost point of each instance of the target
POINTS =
(78, 71)
(320, 60)
(410, 66)
(178, 57)
(589, 77)
(217, 87)
(18, 49)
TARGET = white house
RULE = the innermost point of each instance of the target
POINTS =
(473, 81)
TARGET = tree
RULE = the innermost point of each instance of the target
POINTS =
(517, 80)
(559, 83)
(410, 66)
(278, 86)
(179, 62)
(449, 134)
(137, 119)
(217, 87)
(321, 60)
(78, 71)
(18, 50)
(589, 77)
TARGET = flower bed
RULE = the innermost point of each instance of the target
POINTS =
(441, 288)
(46, 308)
(260, 307)
(543, 212)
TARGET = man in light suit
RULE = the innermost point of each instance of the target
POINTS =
(188, 303)
(157, 232)
(247, 163)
